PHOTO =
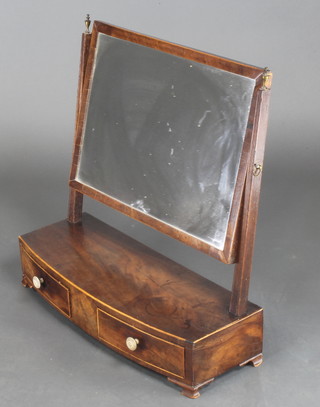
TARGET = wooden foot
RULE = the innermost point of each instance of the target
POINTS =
(190, 391)
(24, 281)
(255, 361)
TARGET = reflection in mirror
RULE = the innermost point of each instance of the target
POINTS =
(164, 135)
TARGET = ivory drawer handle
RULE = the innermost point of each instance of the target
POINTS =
(37, 282)
(132, 343)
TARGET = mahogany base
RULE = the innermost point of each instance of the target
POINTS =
(139, 303)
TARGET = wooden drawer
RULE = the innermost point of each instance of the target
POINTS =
(151, 351)
(51, 289)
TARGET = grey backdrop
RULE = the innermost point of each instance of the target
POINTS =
(44, 359)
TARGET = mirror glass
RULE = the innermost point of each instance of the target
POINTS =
(164, 135)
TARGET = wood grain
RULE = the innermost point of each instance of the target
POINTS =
(242, 272)
(52, 289)
(110, 285)
(114, 287)
(114, 268)
(151, 350)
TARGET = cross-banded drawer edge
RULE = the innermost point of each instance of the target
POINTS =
(155, 352)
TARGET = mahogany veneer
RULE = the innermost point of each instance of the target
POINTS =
(135, 300)
(180, 319)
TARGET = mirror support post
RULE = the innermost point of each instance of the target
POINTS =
(75, 197)
(242, 270)
(75, 206)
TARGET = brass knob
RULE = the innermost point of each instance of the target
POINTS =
(257, 169)
(132, 343)
(37, 282)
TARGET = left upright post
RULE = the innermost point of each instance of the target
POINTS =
(75, 197)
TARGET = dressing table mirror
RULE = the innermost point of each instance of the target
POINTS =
(172, 137)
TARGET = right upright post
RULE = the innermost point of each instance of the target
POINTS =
(243, 267)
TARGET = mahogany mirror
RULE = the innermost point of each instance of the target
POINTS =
(172, 137)
(162, 140)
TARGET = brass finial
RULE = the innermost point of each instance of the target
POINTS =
(266, 79)
(87, 23)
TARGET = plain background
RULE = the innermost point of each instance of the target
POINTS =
(47, 361)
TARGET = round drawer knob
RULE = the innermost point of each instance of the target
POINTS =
(37, 281)
(132, 343)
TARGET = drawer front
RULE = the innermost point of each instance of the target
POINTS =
(150, 350)
(51, 289)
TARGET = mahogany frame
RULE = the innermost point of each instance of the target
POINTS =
(240, 236)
